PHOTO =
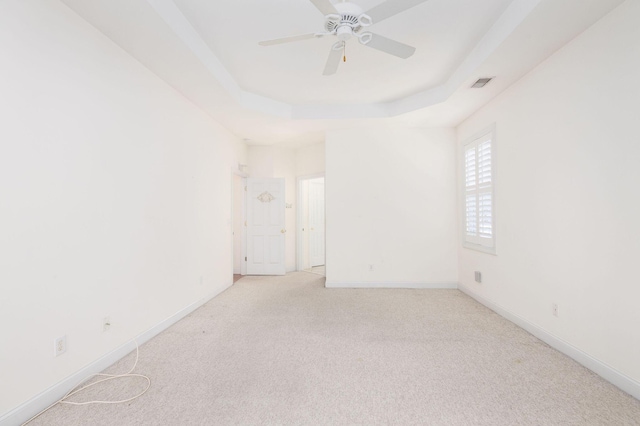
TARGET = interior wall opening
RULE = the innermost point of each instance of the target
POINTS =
(311, 224)
(238, 214)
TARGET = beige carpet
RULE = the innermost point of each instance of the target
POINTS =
(320, 270)
(287, 351)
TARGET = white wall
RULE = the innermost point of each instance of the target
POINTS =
(310, 159)
(391, 203)
(115, 197)
(568, 202)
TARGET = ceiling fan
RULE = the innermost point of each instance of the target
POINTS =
(347, 20)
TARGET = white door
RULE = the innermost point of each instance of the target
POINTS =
(265, 226)
(316, 221)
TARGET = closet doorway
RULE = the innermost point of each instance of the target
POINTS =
(311, 224)
(238, 234)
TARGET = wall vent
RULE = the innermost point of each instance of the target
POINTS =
(481, 82)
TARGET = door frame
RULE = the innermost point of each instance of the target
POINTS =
(299, 234)
(243, 238)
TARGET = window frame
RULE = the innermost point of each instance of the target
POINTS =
(475, 140)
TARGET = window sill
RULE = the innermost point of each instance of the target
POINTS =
(478, 247)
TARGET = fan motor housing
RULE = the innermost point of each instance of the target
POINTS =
(348, 22)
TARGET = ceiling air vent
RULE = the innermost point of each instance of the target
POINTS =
(481, 82)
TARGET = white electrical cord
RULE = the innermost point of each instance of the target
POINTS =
(108, 377)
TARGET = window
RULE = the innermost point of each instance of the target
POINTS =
(479, 217)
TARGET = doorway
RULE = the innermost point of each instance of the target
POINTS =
(238, 182)
(311, 225)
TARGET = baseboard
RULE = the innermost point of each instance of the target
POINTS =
(605, 371)
(30, 408)
(449, 285)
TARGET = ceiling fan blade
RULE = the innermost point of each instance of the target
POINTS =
(287, 39)
(391, 7)
(391, 47)
(325, 7)
(333, 61)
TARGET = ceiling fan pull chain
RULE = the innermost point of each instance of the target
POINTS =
(344, 52)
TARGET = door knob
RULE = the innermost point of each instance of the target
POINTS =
(283, 231)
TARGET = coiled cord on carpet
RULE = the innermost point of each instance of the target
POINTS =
(108, 377)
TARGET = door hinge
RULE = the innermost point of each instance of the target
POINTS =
(245, 223)
(245, 188)
(245, 258)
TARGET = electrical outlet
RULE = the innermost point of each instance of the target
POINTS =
(201, 280)
(106, 323)
(370, 267)
(60, 345)
(554, 309)
(478, 276)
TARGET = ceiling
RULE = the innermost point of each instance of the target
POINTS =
(443, 32)
(208, 50)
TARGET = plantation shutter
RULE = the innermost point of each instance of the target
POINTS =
(478, 179)
(471, 205)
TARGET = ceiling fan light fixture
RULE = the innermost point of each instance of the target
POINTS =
(365, 38)
(365, 20)
(344, 32)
